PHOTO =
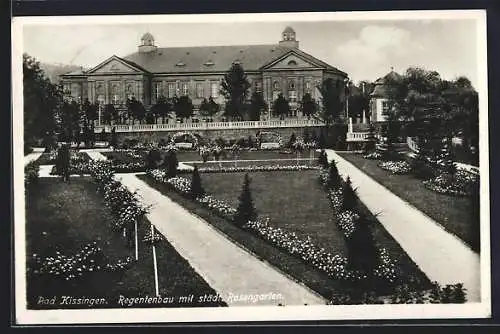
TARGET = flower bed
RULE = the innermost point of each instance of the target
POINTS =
(373, 156)
(396, 167)
(256, 168)
(123, 204)
(88, 260)
(346, 222)
(460, 184)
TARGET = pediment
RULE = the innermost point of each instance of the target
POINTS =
(114, 65)
(290, 61)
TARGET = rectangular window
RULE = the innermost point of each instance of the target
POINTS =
(385, 107)
(275, 95)
(171, 89)
(258, 86)
(200, 93)
(185, 88)
(214, 89)
(116, 99)
(292, 96)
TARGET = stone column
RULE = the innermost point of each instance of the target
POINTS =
(106, 92)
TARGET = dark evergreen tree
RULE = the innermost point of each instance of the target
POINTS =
(322, 140)
(349, 197)
(196, 187)
(334, 179)
(63, 162)
(331, 98)
(370, 139)
(323, 159)
(234, 87)
(113, 139)
(152, 159)
(246, 211)
(362, 249)
(170, 164)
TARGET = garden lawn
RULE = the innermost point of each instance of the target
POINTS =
(64, 217)
(453, 213)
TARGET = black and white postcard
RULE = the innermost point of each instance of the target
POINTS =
(251, 167)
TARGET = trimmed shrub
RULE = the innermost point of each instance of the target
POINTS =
(349, 197)
(246, 211)
(196, 187)
(334, 179)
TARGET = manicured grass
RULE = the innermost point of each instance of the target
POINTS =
(453, 213)
(246, 163)
(311, 277)
(64, 217)
(296, 202)
(292, 200)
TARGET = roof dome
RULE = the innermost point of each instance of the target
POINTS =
(147, 36)
(288, 29)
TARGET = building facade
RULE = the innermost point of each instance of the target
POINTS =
(197, 72)
(379, 98)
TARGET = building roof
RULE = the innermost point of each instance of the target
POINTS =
(288, 29)
(381, 84)
(147, 36)
(215, 58)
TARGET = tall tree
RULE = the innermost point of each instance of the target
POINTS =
(70, 120)
(109, 113)
(183, 107)
(41, 102)
(281, 107)
(161, 108)
(90, 111)
(196, 187)
(246, 211)
(331, 99)
(257, 106)
(308, 105)
(209, 108)
(234, 87)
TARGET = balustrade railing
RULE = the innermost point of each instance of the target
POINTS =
(357, 136)
(210, 125)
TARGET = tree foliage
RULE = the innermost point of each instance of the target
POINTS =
(209, 108)
(234, 88)
(246, 211)
(161, 108)
(308, 105)
(257, 106)
(331, 99)
(196, 187)
(41, 101)
(281, 107)
(183, 107)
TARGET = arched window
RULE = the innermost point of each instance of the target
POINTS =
(291, 85)
(276, 85)
(292, 63)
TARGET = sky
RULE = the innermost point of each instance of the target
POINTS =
(365, 49)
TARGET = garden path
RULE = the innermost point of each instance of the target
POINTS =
(226, 267)
(31, 156)
(442, 256)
